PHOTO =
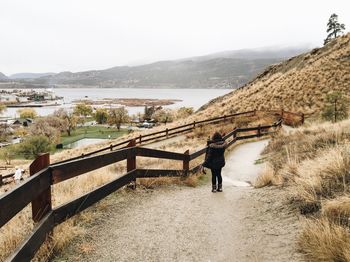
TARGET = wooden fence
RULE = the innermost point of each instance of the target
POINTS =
(3, 177)
(37, 189)
(289, 118)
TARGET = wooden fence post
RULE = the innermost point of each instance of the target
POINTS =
(302, 118)
(166, 132)
(186, 162)
(234, 134)
(111, 147)
(0, 180)
(131, 161)
(140, 137)
(259, 130)
(194, 124)
(42, 204)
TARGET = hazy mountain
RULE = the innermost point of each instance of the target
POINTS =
(256, 53)
(29, 75)
(2, 76)
(299, 84)
(229, 69)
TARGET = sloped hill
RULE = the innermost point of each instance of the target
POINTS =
(3, 77)
(298, 84)
(229, 69)
(29, 75)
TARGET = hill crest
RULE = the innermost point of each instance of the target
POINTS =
(298, 84)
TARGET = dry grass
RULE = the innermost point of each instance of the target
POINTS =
(16, 230)
(337, 210)
(299, 84)
(314, 163)
(323, 240)
(267, 177)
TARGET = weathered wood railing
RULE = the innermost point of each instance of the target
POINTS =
(289, 118)
(37, 189)
(163, 134)
(3, 177)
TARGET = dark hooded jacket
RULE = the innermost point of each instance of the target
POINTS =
(214, 157)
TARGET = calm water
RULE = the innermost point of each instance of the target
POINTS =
(190, 97)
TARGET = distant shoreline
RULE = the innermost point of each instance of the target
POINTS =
(91, 87)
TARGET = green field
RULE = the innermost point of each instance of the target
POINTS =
(92, 132)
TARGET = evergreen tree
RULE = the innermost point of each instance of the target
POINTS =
(334, 28)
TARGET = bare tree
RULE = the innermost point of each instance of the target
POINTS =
(69, 117)
(117, 116)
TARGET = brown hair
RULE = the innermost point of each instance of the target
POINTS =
(217, 136)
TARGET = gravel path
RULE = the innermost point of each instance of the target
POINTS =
(193, 224)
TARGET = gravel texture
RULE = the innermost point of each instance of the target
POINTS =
(192, 224)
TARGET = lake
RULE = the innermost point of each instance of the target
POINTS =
(190, 97)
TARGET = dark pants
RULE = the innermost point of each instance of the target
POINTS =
(216, 173)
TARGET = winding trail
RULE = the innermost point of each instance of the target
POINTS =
(192, 224)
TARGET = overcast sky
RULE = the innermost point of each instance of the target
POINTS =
(78, 35)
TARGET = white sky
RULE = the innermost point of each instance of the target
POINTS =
(77, 35)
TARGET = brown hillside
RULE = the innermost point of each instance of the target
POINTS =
(298, 84)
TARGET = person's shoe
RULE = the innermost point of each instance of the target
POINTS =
(219, 188)
(213, 189)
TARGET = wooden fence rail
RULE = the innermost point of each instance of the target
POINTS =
(168, 132)
(37, 188)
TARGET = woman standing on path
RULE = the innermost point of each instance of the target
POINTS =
(215, 160)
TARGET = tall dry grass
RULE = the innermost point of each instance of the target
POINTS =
(314, 163)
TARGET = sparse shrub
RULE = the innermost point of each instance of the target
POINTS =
(267, 178)
(6, 154)
(33, 146)
(27, 113)
(163, 116)
(184, 112)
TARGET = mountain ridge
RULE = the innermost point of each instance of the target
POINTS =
(297, 84)
(228, 69)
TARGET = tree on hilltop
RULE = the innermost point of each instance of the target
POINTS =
(334, 28)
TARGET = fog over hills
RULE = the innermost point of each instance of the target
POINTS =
(29, 75)
(299, 84)
(228, 69)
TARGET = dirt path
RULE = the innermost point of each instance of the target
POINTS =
(193, 224)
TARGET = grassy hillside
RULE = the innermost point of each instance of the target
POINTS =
(312, 163)
(298, 84)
